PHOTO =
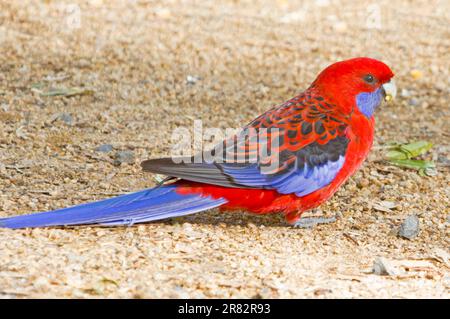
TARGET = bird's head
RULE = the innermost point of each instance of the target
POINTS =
(360, 82)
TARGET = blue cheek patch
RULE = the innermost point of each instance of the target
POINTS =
(367, 102)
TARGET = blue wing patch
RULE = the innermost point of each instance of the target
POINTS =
(299, 180)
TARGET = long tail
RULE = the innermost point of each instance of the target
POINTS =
(143, 206)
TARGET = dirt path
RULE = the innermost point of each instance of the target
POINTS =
(155, 67)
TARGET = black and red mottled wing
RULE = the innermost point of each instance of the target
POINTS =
(296, 147)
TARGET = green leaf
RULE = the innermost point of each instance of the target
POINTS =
(416, 148)
(37, 85)
(413, 164)
(408, 151)
(159, 178)
(396, 155)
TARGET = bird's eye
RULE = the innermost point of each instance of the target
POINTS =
(369, 78)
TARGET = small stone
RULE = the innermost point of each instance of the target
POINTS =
(363, 183)
(104, 148)
(405, 93)
(430, 171)
(416, 74)
(190, 79)
(410, 227)
(64, 117)
(382, 267)
(443, 160)
(123, 157)
(384, 206)
(413, 102)
(310, 222)
(24, 69)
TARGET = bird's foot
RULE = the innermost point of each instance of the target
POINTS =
(310, 222)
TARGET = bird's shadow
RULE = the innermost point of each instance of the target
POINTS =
(212, 218)
(215, 218)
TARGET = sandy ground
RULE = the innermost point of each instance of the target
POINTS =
(243, 57)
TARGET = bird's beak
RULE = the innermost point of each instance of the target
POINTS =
(390, 90)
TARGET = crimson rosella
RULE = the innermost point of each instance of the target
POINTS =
(317, 140)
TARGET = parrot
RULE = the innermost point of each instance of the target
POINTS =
(317, 140)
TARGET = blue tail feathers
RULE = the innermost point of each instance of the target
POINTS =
(143, 206)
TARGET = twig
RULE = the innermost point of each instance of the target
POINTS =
(353, 240)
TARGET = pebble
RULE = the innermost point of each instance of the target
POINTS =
(123, 157)
(405, 93)
(413, 102)
(64, 117)
(431, 171)
(310, 222)
(443, 160)
(190, 79)
(363, 183)
(382, 267)
(416, 74)
(104, 148)
(384, 206)
(24, 69)
(410, 227)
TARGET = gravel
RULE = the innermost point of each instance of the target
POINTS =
(382, 267)
(104, 148)
(405, 93)
(122, 157)
(410, 227)
(64, 117)
(250, 55)
(414, 102)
